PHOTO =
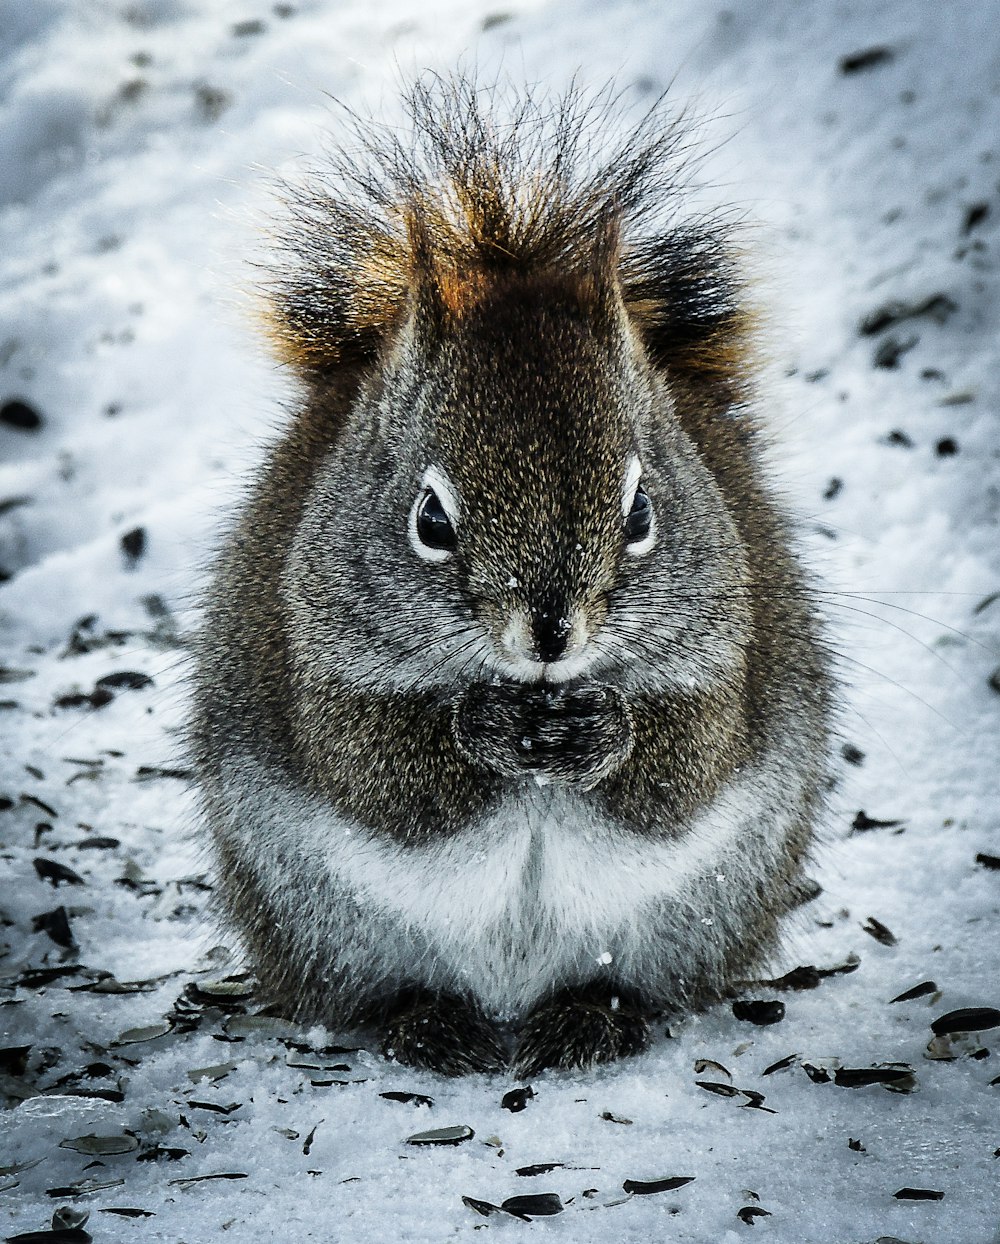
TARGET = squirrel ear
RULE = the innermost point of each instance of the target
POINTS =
(685, 298)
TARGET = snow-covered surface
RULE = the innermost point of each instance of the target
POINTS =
(134, 142)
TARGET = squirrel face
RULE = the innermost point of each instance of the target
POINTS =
(529, 507)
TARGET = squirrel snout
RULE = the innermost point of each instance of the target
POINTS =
(547, 640)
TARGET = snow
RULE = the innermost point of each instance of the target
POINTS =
(139, 144)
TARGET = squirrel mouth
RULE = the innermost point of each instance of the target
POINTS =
(545, 646)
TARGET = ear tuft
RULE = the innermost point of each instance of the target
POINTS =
(473, 204)
(685, 298)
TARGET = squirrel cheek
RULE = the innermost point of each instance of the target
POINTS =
(515, 640)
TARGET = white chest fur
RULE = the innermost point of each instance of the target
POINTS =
(543, 892)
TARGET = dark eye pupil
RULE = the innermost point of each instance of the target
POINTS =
(640, 517)
(434, 527)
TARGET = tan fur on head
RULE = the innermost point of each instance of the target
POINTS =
(473, 206)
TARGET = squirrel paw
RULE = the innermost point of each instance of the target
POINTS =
(580, 1029)
(441, 1033)
(578, 736)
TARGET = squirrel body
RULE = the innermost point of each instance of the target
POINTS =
(511, 705)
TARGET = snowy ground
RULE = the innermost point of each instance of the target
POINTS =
(132, 135)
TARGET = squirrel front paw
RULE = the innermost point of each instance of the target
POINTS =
(578, 736)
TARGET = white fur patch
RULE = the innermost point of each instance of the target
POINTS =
(534, 896)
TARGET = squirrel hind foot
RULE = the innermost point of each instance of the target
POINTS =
(579, 1029)
(442, 1033)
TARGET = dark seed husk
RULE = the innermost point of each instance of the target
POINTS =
(533, 1205)
(442, 1136)
(40, 804)
(818, 1075)
(967, 1019)
(124, 680)
(61, 1235)
(918, 1194)
(54, 872)
(862, 823)
(937, 307)
(646, 1187)
(215, 1107)
(780, 1065)
(162, 1151)
(16, 413)
(755, 1101)
(539, 1168)
(200, 1179)
(133, 543)
(880, 932)
(415, 1099)
(151, 773)
(991, 862)
(481, 1207)
(808, 976)
(901, 1079)
(805, 977)
(38, 978)
(759, 1012)
(918, 991)
(866, 59)
(749, 1212)
(723, 1090)
(56, 924)
(517, 1099)
(128, 1211)
(702, 1065)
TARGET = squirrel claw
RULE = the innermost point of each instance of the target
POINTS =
(442, 1033)
(576, 1030)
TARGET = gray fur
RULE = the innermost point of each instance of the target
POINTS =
(406, 801)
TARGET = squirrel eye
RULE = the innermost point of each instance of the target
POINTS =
(433, 526)
(639, 519)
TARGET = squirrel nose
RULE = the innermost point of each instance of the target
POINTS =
(550, 629)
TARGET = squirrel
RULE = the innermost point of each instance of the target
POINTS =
(512, 705)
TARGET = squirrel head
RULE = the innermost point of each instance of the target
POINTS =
(515, 485)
